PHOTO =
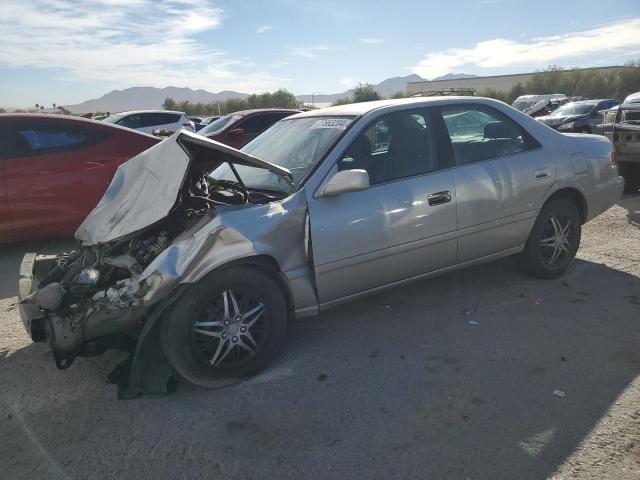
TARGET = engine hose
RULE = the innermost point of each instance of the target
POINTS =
(87, 258)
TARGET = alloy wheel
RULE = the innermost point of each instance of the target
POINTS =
(555, 244)
(230, 330)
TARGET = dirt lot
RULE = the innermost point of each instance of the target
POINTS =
(453, 378)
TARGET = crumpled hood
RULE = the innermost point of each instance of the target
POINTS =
(145, 188)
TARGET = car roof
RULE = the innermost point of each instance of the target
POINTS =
(358, 109)
(52, 117)
(147, 111)
(244, 113)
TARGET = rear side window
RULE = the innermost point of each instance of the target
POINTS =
(480, 133)
(42, 139)
(153, 119)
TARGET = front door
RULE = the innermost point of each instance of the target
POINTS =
(501, 176)
(402, 226)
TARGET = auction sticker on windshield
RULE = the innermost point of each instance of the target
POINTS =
(340, 123)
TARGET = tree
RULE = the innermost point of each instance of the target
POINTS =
(37, 106)
(343, 101)
(364, 92)
(169, 104)
(2, 110)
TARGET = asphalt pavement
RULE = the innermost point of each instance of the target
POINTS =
(480, 374)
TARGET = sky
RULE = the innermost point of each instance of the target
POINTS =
(68, 51)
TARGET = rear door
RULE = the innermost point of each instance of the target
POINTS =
(51, 178)
(402, 226)
(501, 175)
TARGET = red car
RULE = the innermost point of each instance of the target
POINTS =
(54, 169)
(236, 129)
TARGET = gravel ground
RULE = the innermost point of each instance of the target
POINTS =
(453, 377)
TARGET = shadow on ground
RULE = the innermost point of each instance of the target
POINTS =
(452, 377)
(632, 203)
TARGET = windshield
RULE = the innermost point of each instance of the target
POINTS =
(571, 109)
(296, 144)
(630, 116)
(114, 118)
(219, 125)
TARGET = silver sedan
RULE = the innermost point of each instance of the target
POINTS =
(199, 255)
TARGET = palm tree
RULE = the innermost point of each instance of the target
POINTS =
(54, 105)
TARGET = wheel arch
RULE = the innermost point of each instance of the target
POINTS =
(268, 265)
(575, 196)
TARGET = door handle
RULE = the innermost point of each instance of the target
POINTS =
(542, 173)
(439, 198)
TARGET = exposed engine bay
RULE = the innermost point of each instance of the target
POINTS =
(84, 301)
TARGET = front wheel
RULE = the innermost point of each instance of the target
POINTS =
(227, 327)
(554, 239)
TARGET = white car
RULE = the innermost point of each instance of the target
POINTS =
(149, 121)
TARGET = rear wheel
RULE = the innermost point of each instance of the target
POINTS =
(227, 327)
(554, 239)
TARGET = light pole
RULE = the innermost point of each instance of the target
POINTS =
(313, 101)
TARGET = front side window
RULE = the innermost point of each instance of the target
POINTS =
(479, 133)
(131, 121)
(40, 139)
(398, 145)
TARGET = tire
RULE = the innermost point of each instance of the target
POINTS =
(546, 239)
(216, 352)
(631, 174)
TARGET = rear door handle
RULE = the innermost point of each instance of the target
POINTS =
(439, 198)
(542, 173)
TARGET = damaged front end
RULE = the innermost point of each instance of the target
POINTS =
(101, 294)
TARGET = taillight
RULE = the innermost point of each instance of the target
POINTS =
(614, 157)
(190, 124)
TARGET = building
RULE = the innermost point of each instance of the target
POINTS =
(501, 83)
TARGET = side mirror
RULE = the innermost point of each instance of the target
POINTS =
(236, 132)
(346, 181)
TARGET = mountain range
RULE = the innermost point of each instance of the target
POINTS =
(147, 98)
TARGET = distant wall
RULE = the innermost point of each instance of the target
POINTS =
(501, 83)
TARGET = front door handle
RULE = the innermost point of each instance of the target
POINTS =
(439, 198)
(542, 173)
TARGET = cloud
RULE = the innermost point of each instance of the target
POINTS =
(348, 82)
(536, 52)
(264, 28)
(124, 43)
(308, 52)
(372, 40)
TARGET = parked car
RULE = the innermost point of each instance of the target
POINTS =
(633, 98)
(624, 132)
(580, 117)
(537, 105)
(198, 123)
(237, 129)
(208, 120)
(204, 253)
(55, 168)
(148, 121)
